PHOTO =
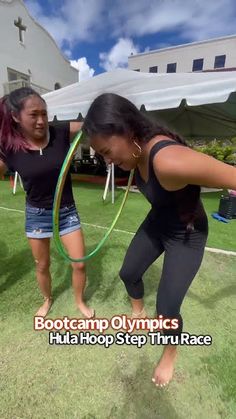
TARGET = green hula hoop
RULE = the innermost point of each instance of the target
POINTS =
(57, 202)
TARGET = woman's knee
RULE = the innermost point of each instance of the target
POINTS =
(42, 266)
(78, 267)
(127, 274)
(133, 283)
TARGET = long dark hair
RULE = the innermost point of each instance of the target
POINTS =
(11, 138)
(111, 114)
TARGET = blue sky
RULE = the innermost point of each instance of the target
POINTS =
(99, 35)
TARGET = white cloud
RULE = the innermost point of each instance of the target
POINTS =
(57, 26)
(34, 8)
(85, 71)
(68, 53)
(197, 19)
(96, 20)
(118, 55)
(84, 18)
(75, 21)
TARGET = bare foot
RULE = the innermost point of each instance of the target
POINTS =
(87, 312)
(164, 370)
(44, 309)
(141, 315)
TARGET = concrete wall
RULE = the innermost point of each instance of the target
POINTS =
(38, 56)
(184, 55)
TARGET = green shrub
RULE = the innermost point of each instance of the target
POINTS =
(219, 150)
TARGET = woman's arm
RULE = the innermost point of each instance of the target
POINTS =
(75, 127)
(3, 168)
(177, 166)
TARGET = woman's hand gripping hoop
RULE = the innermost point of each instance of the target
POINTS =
(57, 202)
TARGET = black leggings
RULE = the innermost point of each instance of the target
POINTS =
(182, 259)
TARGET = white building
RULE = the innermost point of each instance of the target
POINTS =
(28, 54)
(214, 54)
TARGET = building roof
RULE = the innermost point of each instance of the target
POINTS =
(172, 47)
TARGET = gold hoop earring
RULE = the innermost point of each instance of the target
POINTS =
(139, 150)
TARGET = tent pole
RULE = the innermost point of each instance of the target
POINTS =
(107, 182)
(112, 183)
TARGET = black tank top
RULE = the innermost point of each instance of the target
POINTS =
(182, 207)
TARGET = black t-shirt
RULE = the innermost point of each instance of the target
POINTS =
(39, 173)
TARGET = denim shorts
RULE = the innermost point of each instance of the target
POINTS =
(39, 225)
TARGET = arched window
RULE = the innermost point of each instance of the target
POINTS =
(57, 86)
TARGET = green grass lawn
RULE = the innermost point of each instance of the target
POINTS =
(85, 382)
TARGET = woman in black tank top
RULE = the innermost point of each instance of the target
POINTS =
(169, 174)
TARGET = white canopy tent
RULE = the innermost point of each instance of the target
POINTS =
(196, 105)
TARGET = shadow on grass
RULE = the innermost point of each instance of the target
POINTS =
(3, 251)
(94, 274)
(212, 301)
(13, 267)
(16, 267)
(99, 278)
(141, 398)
